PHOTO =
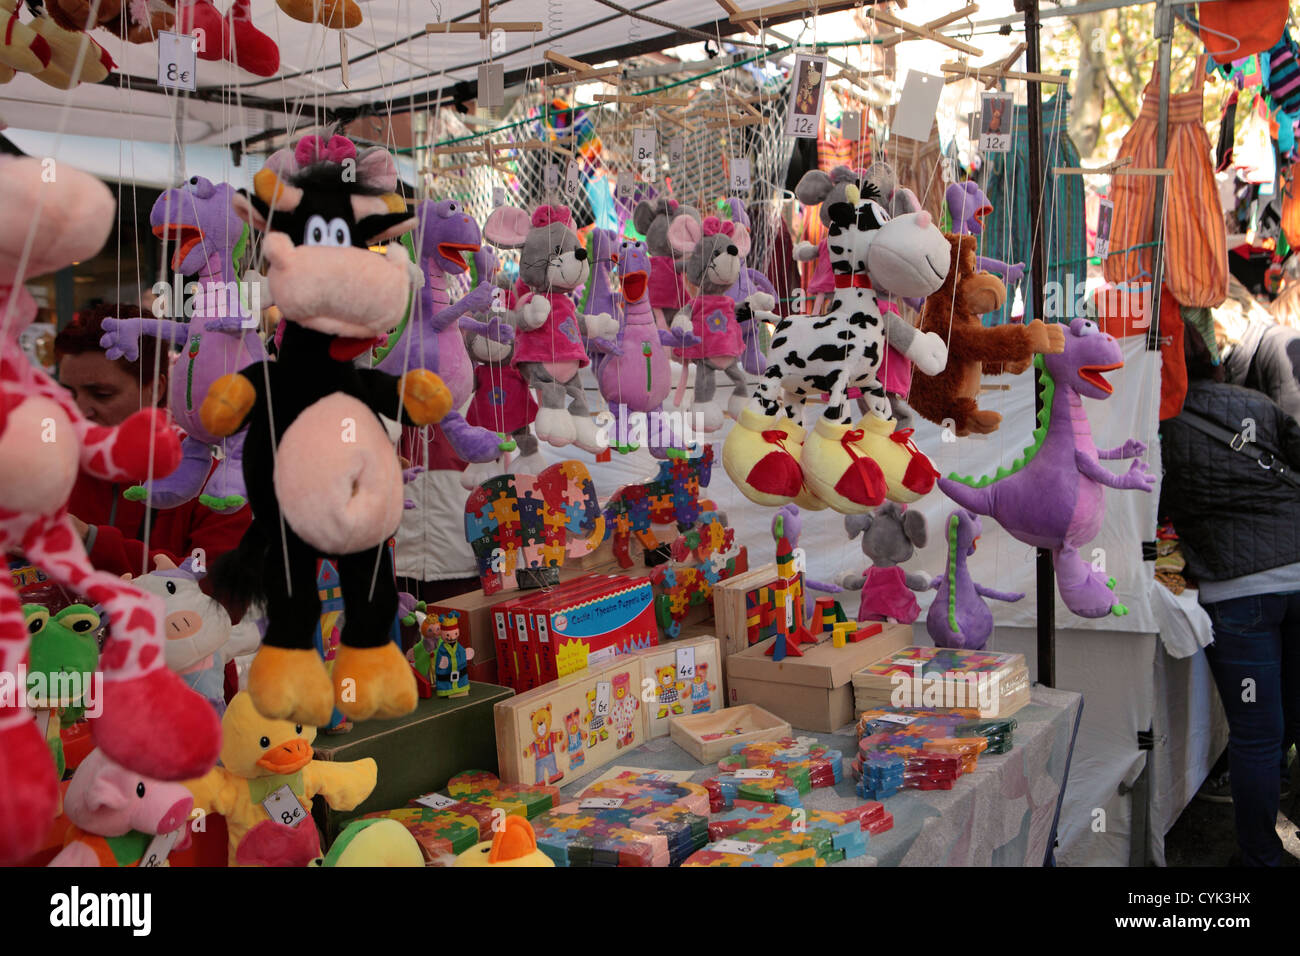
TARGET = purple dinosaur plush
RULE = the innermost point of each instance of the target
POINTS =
(634, 371)
(755, 298)
(598, 296)
(1052, 497)
(220, 338)
(967, 205)
(432, 336)
(959, 617)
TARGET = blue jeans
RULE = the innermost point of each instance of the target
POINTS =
(1255, 659)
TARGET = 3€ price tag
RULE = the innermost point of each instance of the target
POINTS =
(161, 846)
(283, 807)
(676, 151)
(755, 773)
(739, 181)
(602, 699)
(600, 803)
(686, 664)
(644, 145)
(436, 801)
(736, 846)
(571, 181)
(177, 59)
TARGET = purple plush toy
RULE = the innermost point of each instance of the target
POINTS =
(220, 338)
(959, 617)
(1052, 497)
(432, 336)
(754, 294)
(967, 205)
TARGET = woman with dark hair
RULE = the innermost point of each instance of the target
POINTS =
(107, 391)
(1232, 488)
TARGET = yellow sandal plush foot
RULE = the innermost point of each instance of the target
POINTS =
(761, 456)
(65, 48)
(836, 471)
(291, 685)
(373, 682)
(21, 47)
(909, 474)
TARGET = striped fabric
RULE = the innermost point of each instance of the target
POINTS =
(919, 168)
(1007, 230)
(1196, 246)
(1283, 69)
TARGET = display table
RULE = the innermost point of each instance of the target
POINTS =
(1004, 814)
(417, 753)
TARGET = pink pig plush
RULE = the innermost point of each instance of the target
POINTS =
(117, 813)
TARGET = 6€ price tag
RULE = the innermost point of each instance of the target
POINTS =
(436, 801)
(739, 181)
(602, 699)
(686, 664)
(283, 807)
(176, 61)
(160, 847)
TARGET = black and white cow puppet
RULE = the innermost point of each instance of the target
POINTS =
(323, 476)
(847, 468)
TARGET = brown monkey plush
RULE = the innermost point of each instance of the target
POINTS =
(973, 349)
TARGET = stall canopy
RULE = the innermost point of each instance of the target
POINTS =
(391, 63)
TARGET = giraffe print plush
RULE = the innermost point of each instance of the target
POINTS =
(147, 720)
(849, 468)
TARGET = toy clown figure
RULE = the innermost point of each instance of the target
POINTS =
(450, 658)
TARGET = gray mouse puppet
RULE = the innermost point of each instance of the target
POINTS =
(890, 535)
(715, 255)
(652, 217)
(549, 349)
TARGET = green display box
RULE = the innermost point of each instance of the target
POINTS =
(416, 753)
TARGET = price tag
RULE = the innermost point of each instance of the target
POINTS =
(343, 58)
(739, 181)
(1105, 216)
(686, 664)
(571, 181)
(789, 614)
(498, 196)
(736, 846)
(552, 176)
(644, 144)
(600, 803)
(754, 773)
(42, 721)
(914, 114)
(602, 699)
(160, 847)
(283, 807)
(177, 59)
(676, 152)
(851, 125)
(625, 186)
(436, 801)
(808, 77)
(543, 632)
(491, 84)
(896, 719)
(996, 115)
(799, 560)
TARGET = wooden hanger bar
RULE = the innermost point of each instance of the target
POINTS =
(948, 18)
(484, 25)
(749, 26)
(735, 121)
(965, 70)
(574, 78)
(921, 32)
(1120, 167)
(796, 6)
(458, 150)
(568, 62)
(642, 100)
(532, 144)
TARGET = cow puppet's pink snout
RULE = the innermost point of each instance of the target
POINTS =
(182, 624)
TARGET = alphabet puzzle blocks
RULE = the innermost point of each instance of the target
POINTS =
(673, 495)
(771, 834)
(531, 523)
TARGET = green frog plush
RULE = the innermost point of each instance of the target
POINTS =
(64, 656)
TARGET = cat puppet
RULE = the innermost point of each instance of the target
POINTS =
(323, 477)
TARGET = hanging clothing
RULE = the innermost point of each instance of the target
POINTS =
(919, 167)
(1008, 230)
(1195, 241)
(1238, 29)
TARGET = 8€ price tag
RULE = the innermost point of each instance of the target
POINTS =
(177, 59)
(676, 151)
(644, 144)
(739, 181)
(283, 807)
(552, 176)
(625, 186)
(160, 847)
(498, 196)
(571, 181)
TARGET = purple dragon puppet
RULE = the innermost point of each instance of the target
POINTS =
(220, 338)
(967, 205)
(634, 371)
(1052, 495)
(959, 617)
(754, 295)
(431, 336)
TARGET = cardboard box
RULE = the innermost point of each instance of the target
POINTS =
(597, 625)
(815, 691)
(572, 725)
(416, 753)
(917, 676)
(683, 678)
(753, 722)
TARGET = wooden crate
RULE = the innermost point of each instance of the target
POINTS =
(707, 681)
(755, 723)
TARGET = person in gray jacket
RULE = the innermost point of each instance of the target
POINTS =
(1237, 513)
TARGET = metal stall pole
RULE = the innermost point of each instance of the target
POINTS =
(1046, 577)
(1164, 31)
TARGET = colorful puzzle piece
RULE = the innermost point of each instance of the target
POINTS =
(671, 496)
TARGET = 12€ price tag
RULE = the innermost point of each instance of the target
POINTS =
(739, 181)
(686, 664)
(177, 59)
(996, 115)
(160, 847)
(283, 807)
(436, 801)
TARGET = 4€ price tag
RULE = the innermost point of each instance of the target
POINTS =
(177, 59)
(739, 181)
(283, 807)
(686, 664)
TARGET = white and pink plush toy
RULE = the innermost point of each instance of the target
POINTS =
(116, 814)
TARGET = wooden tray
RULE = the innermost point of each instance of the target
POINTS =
(688, 732)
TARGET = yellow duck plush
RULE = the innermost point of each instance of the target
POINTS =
(514, 844)
(266, 765)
